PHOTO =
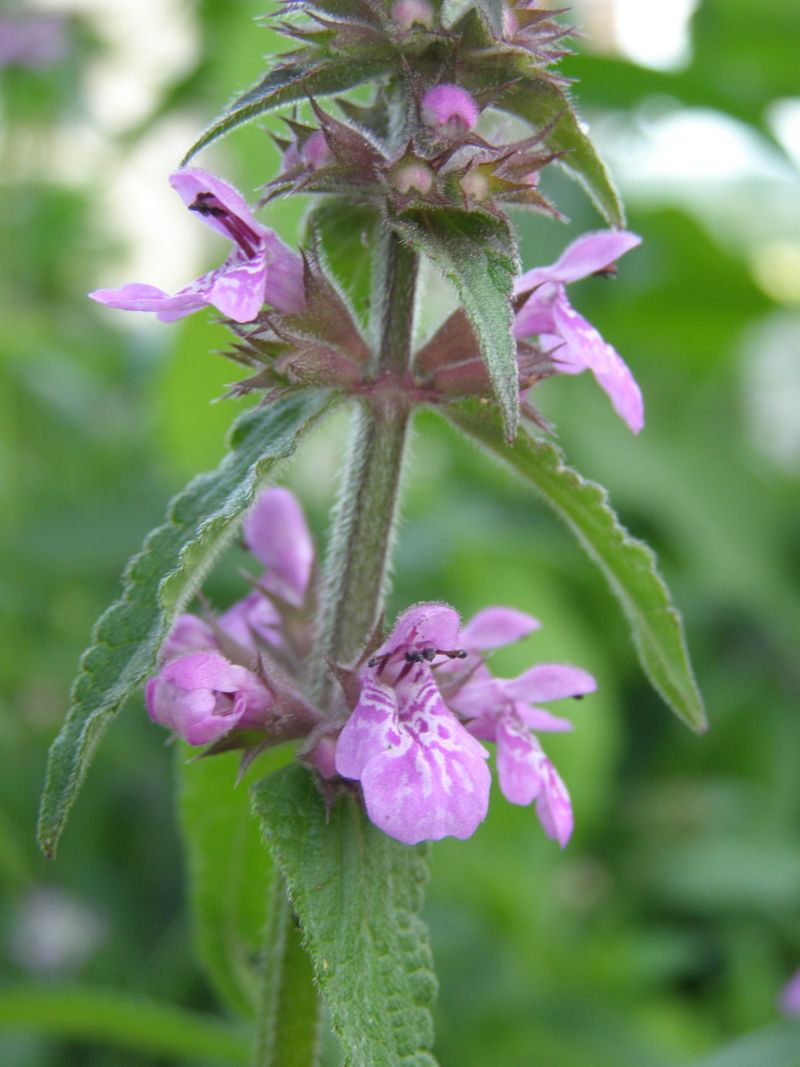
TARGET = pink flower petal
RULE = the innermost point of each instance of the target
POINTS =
(519, 757)
(251, 618)
(285, 287)
(276, 532)
(239, 288)
(495, 627)
(550, 681)
(192, 181)
(435, 784)
(541, 720)
(427, 625)
(590, 253)
(526, 774)
(370, 730)
(137, 296)
(585, 345)
(188, 634)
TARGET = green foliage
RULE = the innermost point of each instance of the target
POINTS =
(157, 584)
(478, 256)
(357, 894)
(774, 1046)
(347, 234)
(133, 1022)
(547, 107)
(290, 1006)
(491, 11)
(628, 565)
(287, 84)
(229, 873)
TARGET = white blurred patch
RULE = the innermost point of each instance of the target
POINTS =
(52, 932)
(654, 33)
(146, 46)
(784, 120)
(776, 269)
(771, 388)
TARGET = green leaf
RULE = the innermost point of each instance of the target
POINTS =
(543, 104)
(159, 1031)
(229, 875)
(628, 565)
(347, 235)
(357, 894)
(309, 76)
(158, 582)
(479, 256)
(290, 1005)
(773, 1046)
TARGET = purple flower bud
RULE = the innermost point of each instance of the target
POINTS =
(316, 152)
(188, 634)
(449, 110)
(410, 13)
(474, 185)
(202, 697)
(276, 533)
(412, 174)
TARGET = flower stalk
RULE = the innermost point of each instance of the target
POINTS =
(359, 553)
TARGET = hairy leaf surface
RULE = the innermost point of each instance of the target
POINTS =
(229, 875)
(546, 106)
(478, 256)
(285, 84)
(357, 894)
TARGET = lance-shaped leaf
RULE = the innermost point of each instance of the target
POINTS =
(357, 894)
(229, 875)
(478, 255)
(157, 583)
(545, 105)
(309, 75)
(628, 565)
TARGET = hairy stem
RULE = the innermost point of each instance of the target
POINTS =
(359, 553)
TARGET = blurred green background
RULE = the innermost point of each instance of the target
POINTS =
(668, 927)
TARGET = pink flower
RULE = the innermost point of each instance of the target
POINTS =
(423, 776)
(259, 269)
(790, 996)
(504, 711)
(275, 531)
(449, 109)
(576, 345)
(202, 697)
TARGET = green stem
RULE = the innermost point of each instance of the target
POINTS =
(289, 1016)
(359, 553)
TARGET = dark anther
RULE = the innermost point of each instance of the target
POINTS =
(578, 696)
(428, 654)
(372, 661)
(415, 657)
